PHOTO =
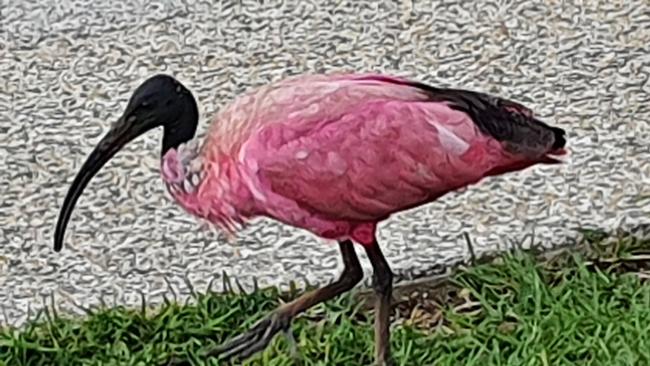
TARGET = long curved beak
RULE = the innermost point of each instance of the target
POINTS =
(120, 134)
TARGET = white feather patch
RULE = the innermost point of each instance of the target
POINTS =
(451, 142)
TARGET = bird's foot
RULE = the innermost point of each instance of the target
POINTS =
(293, 344)
(251, 342)
(254, 340)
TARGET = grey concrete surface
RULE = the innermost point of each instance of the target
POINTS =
(68, 68)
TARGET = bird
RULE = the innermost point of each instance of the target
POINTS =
(334, 154)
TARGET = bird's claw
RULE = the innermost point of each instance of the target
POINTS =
(293, 345)
(255, 339)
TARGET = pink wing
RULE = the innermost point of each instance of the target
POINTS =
(381, 157)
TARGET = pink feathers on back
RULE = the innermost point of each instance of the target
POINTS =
(337, 154)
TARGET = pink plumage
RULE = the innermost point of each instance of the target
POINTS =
(336, 154)
(332, 154)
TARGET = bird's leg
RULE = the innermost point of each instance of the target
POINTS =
(383, 286)
(258, 337)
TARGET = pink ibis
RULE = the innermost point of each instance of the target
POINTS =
(331, 154)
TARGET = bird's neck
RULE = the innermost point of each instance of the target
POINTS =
(182, 166)
(211, 188)
(180, 132)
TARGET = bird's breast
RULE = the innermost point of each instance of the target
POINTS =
(207, 186)
(183, 173)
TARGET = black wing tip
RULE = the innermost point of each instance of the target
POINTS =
(560, 138)
(489, 113)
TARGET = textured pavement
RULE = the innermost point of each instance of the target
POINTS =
(68, 68)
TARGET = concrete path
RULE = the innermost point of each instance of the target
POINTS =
(68, 68)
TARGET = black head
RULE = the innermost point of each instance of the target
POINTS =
(159, 101)
(163, 101)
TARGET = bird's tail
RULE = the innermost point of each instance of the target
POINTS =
(560, 139)
(555, 154)
(558, 151)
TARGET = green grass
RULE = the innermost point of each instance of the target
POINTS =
(588, 305)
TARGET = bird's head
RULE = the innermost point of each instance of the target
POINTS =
(160, 101)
